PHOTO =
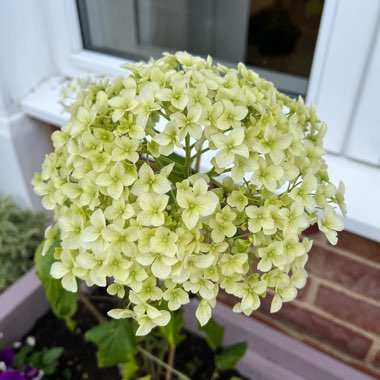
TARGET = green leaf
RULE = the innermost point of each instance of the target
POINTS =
(51, 355)
(229, 356)
(174, 157)
(63, 303)
(21, 358)
(147, 377)
(50, 359)
(114, 340)
(35, 359)
(129, 369)
(172, 331)
(178, 173)
(214, 334)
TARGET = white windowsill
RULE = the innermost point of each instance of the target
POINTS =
(362, 181)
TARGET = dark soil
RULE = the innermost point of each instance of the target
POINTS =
(78, 362)
(195, 358)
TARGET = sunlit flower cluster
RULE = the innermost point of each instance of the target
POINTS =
(155, 229)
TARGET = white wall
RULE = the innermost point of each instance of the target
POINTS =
(24, 62)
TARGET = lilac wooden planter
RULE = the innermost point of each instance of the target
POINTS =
(20, 306)
(272, 355)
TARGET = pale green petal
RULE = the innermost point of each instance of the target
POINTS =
(145, 172)
(145, 259)
(71, 190)
(264, 265)
(240, 112)
(163, 319)
(145, 201)
(251, 301)
(121, 313)
(183, 198)
(117, 114)
(224, 158)
(190, 218)
(103, 179)
(116, 102)
(203, 312)
(219, 140)
(89, 234)
(115, 190)
(200, 187)
(276, 304)
(59, 270)
(147, 218)
(166, 170)
(241, 150)
(288, 294)
(160, 270)
(207, 203)
(161, 184)
(217, 236)
(145, 326)
(69, 282)
(97, 219)
(139, 187)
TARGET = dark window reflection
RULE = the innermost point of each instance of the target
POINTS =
(276, 37)
(282, 34)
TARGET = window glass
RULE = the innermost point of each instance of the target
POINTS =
(276, 37)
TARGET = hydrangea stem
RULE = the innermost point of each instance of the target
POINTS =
(92, 308)
(161, 363)
(168, 366)
(200, 153)
(171, 358)
(188, 159)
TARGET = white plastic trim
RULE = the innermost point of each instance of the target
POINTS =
(340, 62)
(364, 140)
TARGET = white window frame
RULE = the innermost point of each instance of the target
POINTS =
(327, 86)
(331, 79)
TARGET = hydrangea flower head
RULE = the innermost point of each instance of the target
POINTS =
(155, 229)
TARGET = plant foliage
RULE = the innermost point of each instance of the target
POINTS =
(21, 231)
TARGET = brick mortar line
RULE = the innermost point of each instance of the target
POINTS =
(342, 289)
(346, 253)
(289, 330)
(314, 309)
(332, 318)
(330, 349)
(322, 313)
(373, 350)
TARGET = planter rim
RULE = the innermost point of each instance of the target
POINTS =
(271, 354)
(21, 304)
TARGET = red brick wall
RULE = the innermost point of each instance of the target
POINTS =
(338, 312)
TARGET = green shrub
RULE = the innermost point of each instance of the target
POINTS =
(21, 231)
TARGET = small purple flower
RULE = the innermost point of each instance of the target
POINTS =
(31, 373)
(7, 356)
(11, 374)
